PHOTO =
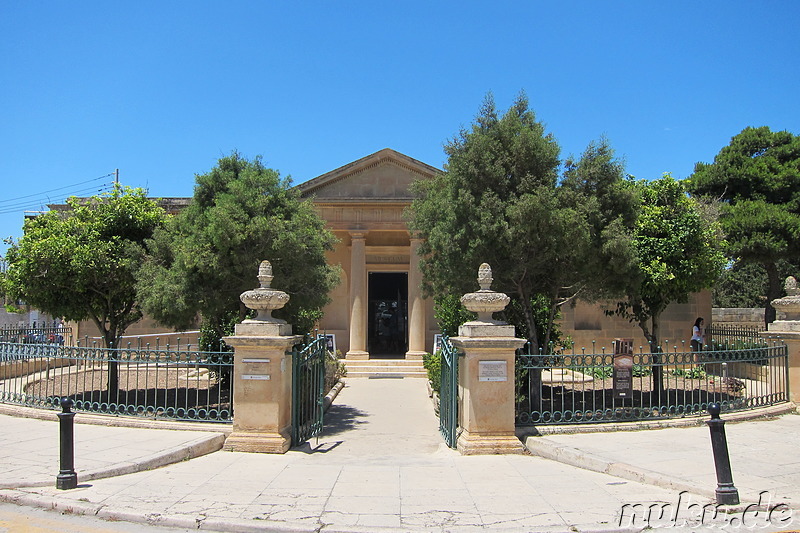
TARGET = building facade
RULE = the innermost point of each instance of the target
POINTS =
(378, 309)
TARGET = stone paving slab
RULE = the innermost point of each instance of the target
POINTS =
(29, 450)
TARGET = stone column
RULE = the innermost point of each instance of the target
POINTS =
(358, 296)
(486, 375)
(787, 327)
(262, 373)
(416, 306)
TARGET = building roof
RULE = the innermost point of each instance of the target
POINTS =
(390, 174)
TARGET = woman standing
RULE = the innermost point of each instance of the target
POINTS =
(698, 335)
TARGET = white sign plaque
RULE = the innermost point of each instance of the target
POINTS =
(255, 360)
(492, 371)
(261, 377)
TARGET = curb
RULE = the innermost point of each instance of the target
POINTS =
(334, 392)
(198, 522)
(190, 450)
(568, 455)
(785, 408)
(93, 419)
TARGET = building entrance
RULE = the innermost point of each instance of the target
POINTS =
(388, 314)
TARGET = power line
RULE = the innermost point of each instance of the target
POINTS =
(39, 194)
(40, 203)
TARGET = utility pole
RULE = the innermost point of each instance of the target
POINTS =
(116, 177)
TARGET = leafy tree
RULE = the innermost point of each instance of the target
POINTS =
(757, 180)
(678, 253)
(241, 214)
(597, 185)
(499, 201)
(746, 284)
(80, 264)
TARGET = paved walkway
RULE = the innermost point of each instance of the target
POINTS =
(380, 466)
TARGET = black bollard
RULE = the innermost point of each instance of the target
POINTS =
(67, 478)
(727, 494)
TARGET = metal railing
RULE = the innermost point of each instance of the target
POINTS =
(725, 332)
(43, 335)
(308, 389)
(448, 395)
(577, 386)
(178, 384)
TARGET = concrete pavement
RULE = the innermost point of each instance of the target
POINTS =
(381, 466)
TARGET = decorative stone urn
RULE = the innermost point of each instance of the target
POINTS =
(485, 302)
(264, 300)
(787, 308)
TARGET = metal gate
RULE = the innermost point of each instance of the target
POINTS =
(308, 389)
(448, 393)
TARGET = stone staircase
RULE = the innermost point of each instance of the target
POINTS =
(385, 368)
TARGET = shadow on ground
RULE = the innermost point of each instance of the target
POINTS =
(342, 418)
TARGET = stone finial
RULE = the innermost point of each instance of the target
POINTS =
(264, 300)
(790, 285)
(485, 277)
(265, 274)
(485, 302)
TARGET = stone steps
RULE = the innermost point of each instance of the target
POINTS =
(385, 368)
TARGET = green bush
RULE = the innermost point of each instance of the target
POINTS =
(335, 369)
(690, 373)
(433, 364)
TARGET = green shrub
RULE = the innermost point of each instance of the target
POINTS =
(690, 373)
(335, 369)
(433, 364)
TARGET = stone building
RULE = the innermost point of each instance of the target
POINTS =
(378, 307)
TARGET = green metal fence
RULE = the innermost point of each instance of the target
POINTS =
(31, 335)
(448, 394)
(308, 389)
(578, 386)
(176, 383)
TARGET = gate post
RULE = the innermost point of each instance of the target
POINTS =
(262, 373)
(787, 327)
(486, 375)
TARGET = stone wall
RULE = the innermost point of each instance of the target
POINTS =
(586, 323)
(738, 316)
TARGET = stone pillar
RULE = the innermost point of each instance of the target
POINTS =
(486, 375)
(787, 327)
(358, 297)
(262, 373)
(416, 306)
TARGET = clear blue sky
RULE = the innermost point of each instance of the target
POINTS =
(161, 90)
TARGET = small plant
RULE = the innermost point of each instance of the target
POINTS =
(641, 371)
(697, 372)
(335, 369)
(733, 385)
(597, 372)
(433, 364)
(690, 373)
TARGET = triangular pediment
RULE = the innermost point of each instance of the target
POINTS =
(383, 176)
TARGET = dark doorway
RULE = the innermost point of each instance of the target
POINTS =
(388, 314)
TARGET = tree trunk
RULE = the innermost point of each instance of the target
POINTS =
(774, 291)
(535, 374)
(655, 349)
